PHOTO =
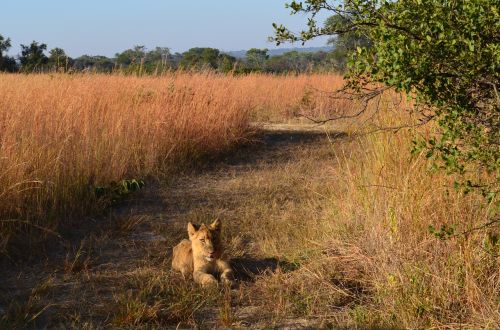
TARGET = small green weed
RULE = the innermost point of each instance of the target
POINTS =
(117, 191)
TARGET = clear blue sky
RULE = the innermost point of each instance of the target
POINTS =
(104, 27)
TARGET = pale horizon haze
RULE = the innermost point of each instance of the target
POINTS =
(106, 27)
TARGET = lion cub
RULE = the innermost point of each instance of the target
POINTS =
(200, 255)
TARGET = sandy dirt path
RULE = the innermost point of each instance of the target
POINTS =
(92, 276)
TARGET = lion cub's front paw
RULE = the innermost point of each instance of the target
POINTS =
(228, 283)
(227, 279)
(208, 281)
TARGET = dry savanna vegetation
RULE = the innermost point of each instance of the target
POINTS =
(64, 136)
(326, 226)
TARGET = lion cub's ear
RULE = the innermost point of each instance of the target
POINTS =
(192, 229)
(216, 225)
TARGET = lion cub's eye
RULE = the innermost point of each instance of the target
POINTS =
(202, 240)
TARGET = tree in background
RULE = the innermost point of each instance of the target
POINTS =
(346, 42)
(200, 58)
(7, 63)
(32, 57)
(95, 63)
(4, 45)
(226, 63)
(446, 54)
(159, 58)
(58, 59)
(139, 60)
(256, 58)
(297, 62)
(131, 56)
(175, 60)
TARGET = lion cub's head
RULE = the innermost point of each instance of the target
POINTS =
(205, 240)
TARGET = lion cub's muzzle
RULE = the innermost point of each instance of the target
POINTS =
(211, 256)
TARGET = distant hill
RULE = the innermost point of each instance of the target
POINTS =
(281, 51)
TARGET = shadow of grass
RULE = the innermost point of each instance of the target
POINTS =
(246, 269)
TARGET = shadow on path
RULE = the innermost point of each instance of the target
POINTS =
(247, 269)
(272, 145)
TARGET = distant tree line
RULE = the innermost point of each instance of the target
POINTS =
(139, 60)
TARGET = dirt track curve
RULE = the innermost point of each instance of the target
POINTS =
(75, 279)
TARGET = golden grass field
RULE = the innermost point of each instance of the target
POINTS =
(61, 134)
(340, 219)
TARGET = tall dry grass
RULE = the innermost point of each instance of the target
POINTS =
(62, 135)
(369, 259)
(386, 201)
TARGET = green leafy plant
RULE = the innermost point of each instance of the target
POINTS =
(116, 191)
(444, 232)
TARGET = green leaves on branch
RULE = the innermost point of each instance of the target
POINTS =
(444, 54)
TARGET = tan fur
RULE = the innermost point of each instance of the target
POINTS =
(201, 255)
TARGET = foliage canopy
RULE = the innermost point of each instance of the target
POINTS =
(445, 54)
(7, 63)
(33, 56)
